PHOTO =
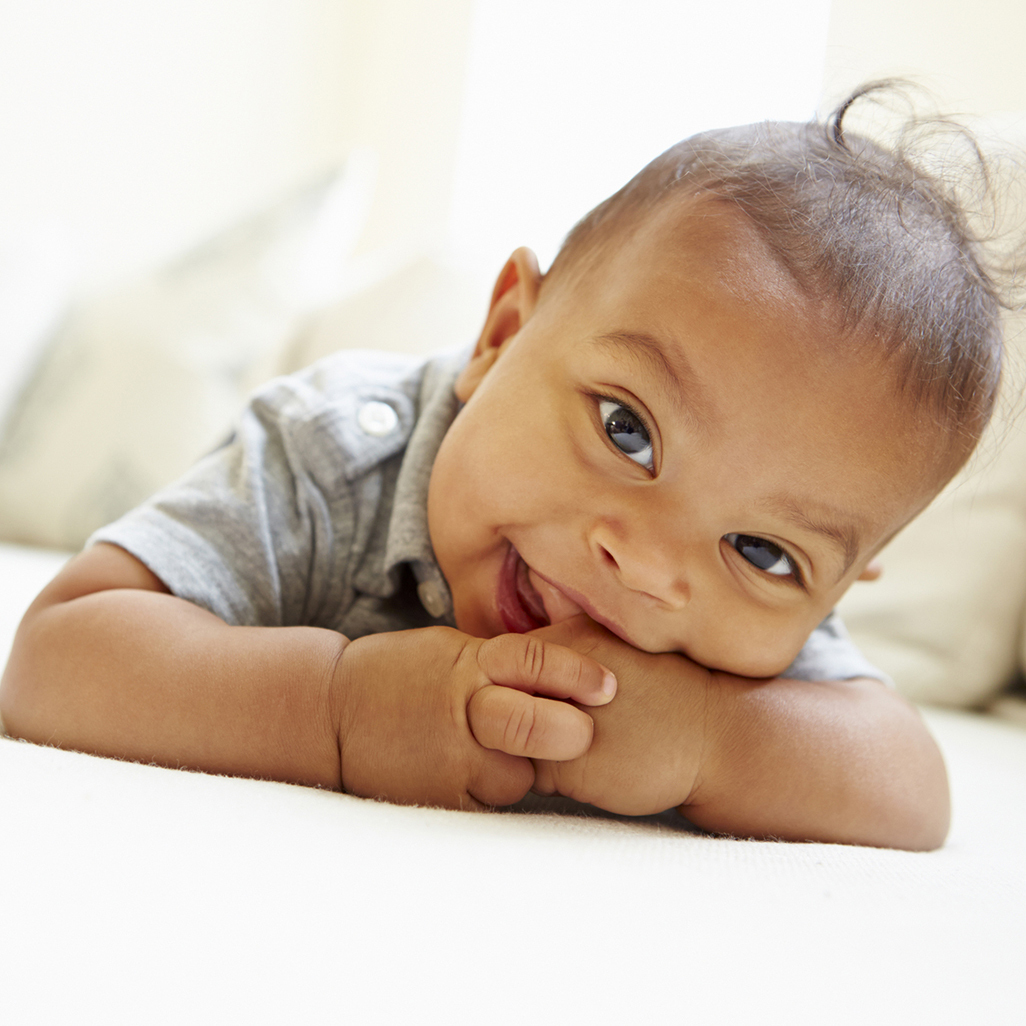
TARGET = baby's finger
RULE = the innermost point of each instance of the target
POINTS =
(530, 664)
(510, 721)
(500, 779)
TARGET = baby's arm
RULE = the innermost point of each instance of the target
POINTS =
(845, 761)
(107, 661)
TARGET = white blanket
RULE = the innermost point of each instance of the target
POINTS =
(135, 894)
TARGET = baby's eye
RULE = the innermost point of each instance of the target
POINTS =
(627, 431)
(769, 558)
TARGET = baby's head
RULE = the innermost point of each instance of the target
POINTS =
(743, 374)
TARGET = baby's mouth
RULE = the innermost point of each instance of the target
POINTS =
(520, 606)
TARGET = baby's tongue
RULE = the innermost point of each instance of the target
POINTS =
(529, 598)
(557, 606)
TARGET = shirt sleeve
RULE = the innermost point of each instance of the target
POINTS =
(251, 532)
(830, 654)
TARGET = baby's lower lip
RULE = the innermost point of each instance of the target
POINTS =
(520, 607)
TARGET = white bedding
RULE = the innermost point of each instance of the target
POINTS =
(142, 895)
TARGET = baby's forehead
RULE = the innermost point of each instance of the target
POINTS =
(711, 246)
(701, 253)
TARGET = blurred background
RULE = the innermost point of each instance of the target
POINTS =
(131, 128)
(199, 195)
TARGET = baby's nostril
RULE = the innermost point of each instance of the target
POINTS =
(609, 558)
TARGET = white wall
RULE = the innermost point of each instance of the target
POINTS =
(969, 55)
(567, 100)
(138, 124)
(406, 66)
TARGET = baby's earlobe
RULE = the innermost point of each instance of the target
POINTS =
(473, 374)
(874, 568)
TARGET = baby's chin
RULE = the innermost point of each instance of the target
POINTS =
(754, 666)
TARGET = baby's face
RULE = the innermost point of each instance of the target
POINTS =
(672, 447)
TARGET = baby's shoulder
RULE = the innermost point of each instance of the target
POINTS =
(343, 380)
(345, 414)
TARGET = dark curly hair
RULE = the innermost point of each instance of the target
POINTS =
(854, 222)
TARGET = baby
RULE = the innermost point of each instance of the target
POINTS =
(598, 558)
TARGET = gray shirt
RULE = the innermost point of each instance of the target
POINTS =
(314, 511)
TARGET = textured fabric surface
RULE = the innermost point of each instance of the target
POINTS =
(170, 897)
(304, 517)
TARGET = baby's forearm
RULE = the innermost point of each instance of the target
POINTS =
(846, 761)
(139, 674)
(107, 661)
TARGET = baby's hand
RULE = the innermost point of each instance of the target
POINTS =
(647, 747)
(437, 717)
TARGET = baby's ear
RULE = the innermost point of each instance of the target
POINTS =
(874, 568)
(513, 301)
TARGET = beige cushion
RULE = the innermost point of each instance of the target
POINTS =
(945, 618)
(35, 284)
(415, 303)
(138, 383)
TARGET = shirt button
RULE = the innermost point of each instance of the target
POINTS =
(377, 419)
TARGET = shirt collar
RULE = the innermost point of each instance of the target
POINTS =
(408, 538)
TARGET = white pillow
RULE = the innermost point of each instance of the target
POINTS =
(139, 383)
(945, 618)
(413, 303)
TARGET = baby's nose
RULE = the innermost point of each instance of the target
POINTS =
(643, 566)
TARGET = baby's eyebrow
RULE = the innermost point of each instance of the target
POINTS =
(834, 525)
(669, 362)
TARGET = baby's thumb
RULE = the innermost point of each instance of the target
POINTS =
(540, 667)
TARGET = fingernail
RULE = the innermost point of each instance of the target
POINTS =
(609, 684)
